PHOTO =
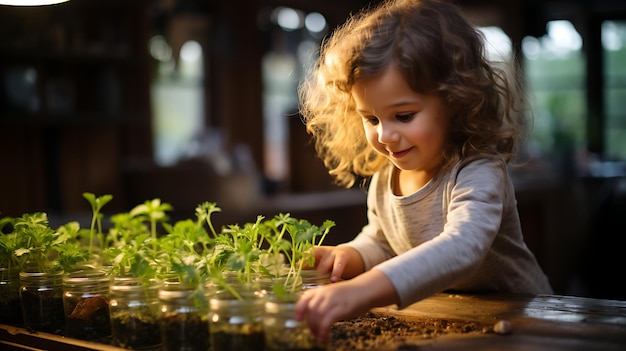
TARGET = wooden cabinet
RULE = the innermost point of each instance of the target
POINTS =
(74, 101)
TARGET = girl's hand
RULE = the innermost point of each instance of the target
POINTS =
(341, 261)
(324, 306)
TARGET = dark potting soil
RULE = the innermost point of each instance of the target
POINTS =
(134, 333)
(382, 332)
(223, 341)
(89, 320)
(43, 311)
(11, 311)
(185, 331)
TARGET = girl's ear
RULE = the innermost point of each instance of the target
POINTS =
(453, 106)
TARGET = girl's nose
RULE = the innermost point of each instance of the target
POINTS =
(387, 134)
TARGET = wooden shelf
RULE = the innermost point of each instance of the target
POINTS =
(17, 339)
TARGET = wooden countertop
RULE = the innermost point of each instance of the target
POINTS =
(539, 323)
(544, 322)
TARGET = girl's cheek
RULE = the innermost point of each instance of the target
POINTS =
(426, 133)
(371, 136)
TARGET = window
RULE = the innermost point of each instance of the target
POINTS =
(177, 100)
(294, 38)
(614, 50)
(555, 71)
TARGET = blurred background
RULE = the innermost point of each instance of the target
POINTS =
(195, 100)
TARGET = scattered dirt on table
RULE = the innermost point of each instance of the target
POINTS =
(383, 332)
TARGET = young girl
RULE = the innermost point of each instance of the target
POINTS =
(403, 93)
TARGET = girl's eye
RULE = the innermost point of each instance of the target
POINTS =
(371, 120)
(405, 117)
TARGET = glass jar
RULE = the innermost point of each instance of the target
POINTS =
(184, 318)
(10, 307)
(236, 320)
(239, 280)
(86, 304)
(41, 296)
(274, 264)
(312, 278)
(134, 313)
(280, 285)
(282, 330)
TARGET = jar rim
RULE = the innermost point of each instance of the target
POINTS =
(57, 273)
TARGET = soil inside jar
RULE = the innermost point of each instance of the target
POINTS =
(11, 311)
(43, 311)
(89, 320)
(132, 332)
(226, 341)
(183, 331)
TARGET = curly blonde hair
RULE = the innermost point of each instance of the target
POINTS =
(439, 52)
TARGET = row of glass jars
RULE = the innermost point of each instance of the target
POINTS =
(164, 316)
(74, 304)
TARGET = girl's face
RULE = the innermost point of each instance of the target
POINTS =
(407, 127)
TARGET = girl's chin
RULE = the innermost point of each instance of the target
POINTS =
(403, 166)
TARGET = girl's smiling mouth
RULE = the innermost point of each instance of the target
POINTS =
(400, 154)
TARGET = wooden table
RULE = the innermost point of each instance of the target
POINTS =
(546, 322)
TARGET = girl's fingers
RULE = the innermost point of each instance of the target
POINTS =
(302, 306)
(313, 306)
(325, 325)
(338, 268)
(313, 314)
(331, 260)
(326, 262)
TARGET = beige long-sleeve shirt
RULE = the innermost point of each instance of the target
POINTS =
(461, 231)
